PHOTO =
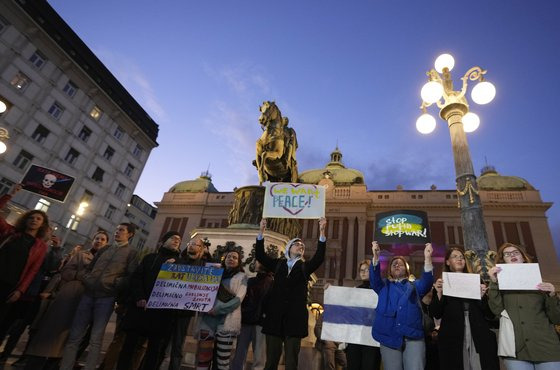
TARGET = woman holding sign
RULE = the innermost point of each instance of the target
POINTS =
(398, 319)
(532, 313)
(465, 340)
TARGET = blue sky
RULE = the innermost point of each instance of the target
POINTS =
(346, 72)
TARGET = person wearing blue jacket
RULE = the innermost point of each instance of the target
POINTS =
(398, 316)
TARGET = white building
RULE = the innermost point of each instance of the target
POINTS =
(66, 111)
(142, 214)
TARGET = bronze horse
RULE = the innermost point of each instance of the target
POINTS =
(276, 148)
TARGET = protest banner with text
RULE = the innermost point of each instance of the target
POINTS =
(47, 182)
(402, 226)
(285, 200)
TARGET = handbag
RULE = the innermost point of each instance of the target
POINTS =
(506, 336)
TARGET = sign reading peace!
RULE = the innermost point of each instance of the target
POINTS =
(285, 200)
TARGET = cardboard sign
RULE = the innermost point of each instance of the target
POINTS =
(285, 200)
(402, 226)
(47, 182)
(185, 287)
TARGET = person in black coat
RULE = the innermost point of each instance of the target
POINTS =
(465, 341)
(286, 315)
(153, 324)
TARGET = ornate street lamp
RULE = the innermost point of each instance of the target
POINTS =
(455, 110)
(4, 135)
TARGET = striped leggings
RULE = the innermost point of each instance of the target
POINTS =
(215, 351)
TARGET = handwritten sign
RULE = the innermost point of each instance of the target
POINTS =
(402, 226)
(47, 182)
(519, 276)
(185, 287)
(285, 200)
(461, 285)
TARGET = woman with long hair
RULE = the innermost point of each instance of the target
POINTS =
(532, 313)
(398, 316)
(222, 324)
(65, 290)
(465, 341)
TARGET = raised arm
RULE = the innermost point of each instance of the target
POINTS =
(424, 284)
(375, 281)
(262, 257)
(319, 256)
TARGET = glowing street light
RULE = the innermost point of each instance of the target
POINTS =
(4, 135)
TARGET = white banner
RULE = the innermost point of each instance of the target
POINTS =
(519, 276)
(285, 200)
(349, 315)
(461, 285)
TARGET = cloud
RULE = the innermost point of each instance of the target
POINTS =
(244, 79)
(134, 79)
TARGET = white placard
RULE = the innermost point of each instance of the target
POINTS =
(519, 276)
(461, 285)
(285, 200)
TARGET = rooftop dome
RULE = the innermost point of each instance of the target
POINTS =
(335, 171)
(201, 185)
(490, 179)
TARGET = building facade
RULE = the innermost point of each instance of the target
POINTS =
(142, 214)
(513, 211)
(67, 112)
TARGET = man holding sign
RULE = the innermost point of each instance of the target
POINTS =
(286, 315)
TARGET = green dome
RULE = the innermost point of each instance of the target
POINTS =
(335, 171)
(490, 179)
(201, 185)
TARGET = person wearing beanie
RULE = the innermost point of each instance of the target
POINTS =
(285, 310)
(153, 324)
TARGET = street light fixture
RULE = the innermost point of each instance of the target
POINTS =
(74, 220)
(455, 110)
(4, 135)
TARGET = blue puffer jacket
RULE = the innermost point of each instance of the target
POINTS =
(398, 313)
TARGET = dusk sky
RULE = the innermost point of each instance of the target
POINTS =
(346, 72)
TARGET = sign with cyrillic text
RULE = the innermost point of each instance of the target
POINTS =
(185, 287)
(402, 226)
(285, 200)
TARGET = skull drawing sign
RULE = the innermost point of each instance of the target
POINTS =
(49, 180)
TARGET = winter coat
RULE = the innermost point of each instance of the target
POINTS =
(36, 253)
(110, 270)
(452, 331)
(533, 315)
(286, 307)
(257, 290)
(398, 313)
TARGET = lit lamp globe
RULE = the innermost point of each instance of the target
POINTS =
(431, 92)
(3, 147)
(483, 93)
(3, 106)
(470, 122)
(425, 124)
(444, 61)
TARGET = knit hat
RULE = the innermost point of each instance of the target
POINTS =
(168, 235)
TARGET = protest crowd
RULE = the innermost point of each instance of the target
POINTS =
(66, 301)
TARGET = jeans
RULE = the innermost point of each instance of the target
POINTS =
(411, 357)
(512, 364)
(250, 334)
(96, 311)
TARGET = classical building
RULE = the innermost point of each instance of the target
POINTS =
(142, 214)
(513, 211)
(67, 112)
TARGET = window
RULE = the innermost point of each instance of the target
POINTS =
(71, 156)
(420, 196)
(98, 175)
(23, 160)
(43, 205)
(3, 24)
(120, 190)
(137, 152)
(70, 88)
(386, 196)
(118, 133)
(95, 113)
(40, 134)
(20, 81)
(140, 244)
(84, 134)
(128, 170)
(5, 185)
(109, 213)
(413, 196)
(109, 152)
(38, 59)
(87, 197)
(447, 196)
(73, 223)
(56, 110)
(380, 196)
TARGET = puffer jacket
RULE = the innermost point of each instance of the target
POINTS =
(110, 271)
(398, 313)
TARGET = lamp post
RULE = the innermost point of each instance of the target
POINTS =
(455, 110)
(74, 220)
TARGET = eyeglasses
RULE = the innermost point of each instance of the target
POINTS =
(512, 254)
(364, 270)
(459, 257)
(397, 264)
(299, 243)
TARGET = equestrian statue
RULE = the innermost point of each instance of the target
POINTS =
(276, 148)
